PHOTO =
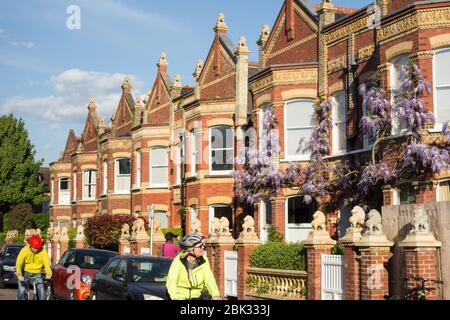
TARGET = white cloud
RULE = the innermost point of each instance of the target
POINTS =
(72, 91)
(27, 44)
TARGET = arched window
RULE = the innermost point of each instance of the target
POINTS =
(299, 125)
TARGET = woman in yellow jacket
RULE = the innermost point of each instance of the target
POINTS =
(190, 272)
(31, 262)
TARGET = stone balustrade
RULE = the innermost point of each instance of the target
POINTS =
(276, 284)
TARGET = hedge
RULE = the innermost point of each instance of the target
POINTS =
(104, 231)
(41, 221)
(2, 238)
(279, 255)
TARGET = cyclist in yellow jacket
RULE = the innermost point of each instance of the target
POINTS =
(30, 264)
(190, 272)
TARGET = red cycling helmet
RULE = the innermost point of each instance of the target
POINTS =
(35, 242)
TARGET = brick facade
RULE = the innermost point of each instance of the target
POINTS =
(308, 54)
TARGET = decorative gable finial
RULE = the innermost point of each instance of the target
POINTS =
(265, 32)
(162, 63)
(198, 69)
(92, 107)
(221, 26)
(177, 81)
(242, 47)
(126, 86)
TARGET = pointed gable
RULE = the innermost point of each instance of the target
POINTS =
(218, 76)
(157, 105)
(295, 29)
(89, 136)
(71, 146)
(122, 119)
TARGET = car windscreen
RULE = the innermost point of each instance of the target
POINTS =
(93, 260)
(153, 271)
(12, 252)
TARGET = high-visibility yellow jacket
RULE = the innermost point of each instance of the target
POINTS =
(31, 262)
(180, 287)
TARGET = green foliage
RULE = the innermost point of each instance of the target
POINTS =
(21, 217)
(72, 233)
(178, 232)
(104, 231)
(274, 235)
(338, 249)
(19, 239)
(18, 169)
(41, 221)
(279, 255)
(2, 238)
(6, 222)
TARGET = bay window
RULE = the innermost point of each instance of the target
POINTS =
(159, 167)
(89, 183)
(221, 150)
(122, 176)
(339, 123)
(442, 86)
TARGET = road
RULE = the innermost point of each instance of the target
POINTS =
(8, 293)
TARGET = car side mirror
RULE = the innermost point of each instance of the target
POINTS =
(119, 277)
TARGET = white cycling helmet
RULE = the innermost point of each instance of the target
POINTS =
(190, 240)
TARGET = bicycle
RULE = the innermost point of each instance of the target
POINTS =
(418, 292)
(31, 292)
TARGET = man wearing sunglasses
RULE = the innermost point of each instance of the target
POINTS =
(190, 276)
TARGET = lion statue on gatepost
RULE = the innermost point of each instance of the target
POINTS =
(358, 217)
(249, 225)
(318, 224)
(373, 223)
(196, 225)
(215, 226)
(125, 232)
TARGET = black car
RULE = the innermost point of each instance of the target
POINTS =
(132, 278)
(8, 257)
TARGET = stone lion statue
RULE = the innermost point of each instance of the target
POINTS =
(224, 225)
(373, 223)
(125, 232)
(358, 217)
(420, 222)
(249, 225)
(64, 234)
(80, 233)
(56, 233)
(318, 224)
(49, 232)
(138, 226)
(215, 225)
(27, 234)
(37, 232)
(196, 225)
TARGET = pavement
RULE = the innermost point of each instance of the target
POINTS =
(8, 293)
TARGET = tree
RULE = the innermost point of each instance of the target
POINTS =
(19, 179)
(21, 217)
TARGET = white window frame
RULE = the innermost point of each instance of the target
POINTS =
(304, 226)
(262, 110)
(74, 181)
(287, 157)
(438, 125)
(211, 213)
(366, 143)
(158, 185)
(116, 175)
(220, 172)
(438, 189)
(105, 177)
(178, 162)
(89, 185)
(195, 150)
(64, 195)
(395, 123)
(335, 131)
(52, 194)
(138, 169)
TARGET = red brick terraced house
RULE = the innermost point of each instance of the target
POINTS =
(310, 52)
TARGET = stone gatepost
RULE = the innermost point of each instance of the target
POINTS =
(56, 250)
(352, 285)
(139, 238)
(48, 243)
(375, 253)
(63, 241)
(318, 243)
(246, 244)
(80, 239)
(419, 252)
(224, 242)
(124, 242)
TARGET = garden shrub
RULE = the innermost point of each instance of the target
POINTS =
(21, 217)
(72, 233)
(279, 255)
(104, 231)
(41, 221)
(6, 222)
(338, 249)
(2, 238)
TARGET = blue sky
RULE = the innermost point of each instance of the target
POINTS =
(48, 72)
